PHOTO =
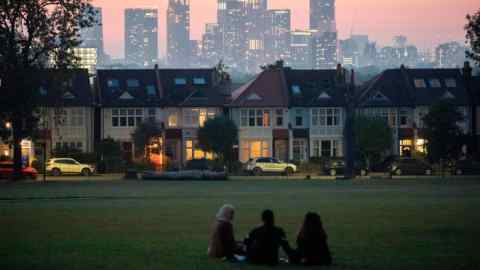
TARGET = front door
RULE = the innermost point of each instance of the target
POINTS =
(299, 149)
(281, 150)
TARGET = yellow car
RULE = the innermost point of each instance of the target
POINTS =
(270, 165)
(59, 166)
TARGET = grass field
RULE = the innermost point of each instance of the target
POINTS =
(404, 225)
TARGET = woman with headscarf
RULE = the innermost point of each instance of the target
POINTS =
(312, 243)
(222, 241)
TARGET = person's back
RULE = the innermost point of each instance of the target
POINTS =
(312, 242)
(264, 241)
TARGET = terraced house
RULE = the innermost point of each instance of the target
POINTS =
(402, 98)
(291, 114)
(179, 101)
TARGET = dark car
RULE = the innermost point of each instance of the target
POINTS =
(6, 171)
(466, 167)
(334, 167)
(383, 165)
(410, 166)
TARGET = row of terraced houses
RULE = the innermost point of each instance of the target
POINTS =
(284, 113)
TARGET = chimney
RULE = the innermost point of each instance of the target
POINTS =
(159, 82)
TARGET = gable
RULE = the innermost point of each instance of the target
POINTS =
(68, 95)
(448, 95)
(125, 95)
(324, 95)
(379, 96)
(254, 96)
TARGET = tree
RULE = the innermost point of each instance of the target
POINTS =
(143, 135)
(109, 155)
(219, 135)
(442, 133)
(473, 36)
(34, 35)
(373, 137)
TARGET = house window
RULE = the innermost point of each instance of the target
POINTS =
(180, 81)
(126, 117)
(296, 91)
(326, 148)
(299, 150)
(152, 114)
(193, 151)
(326, 117)
(251, 118)
(151, 91)
(435, 83)
(43, 91)
(299, 117)
(451, 83)
(259, 118)
(132, 83)
(279, 118)
(113, 83)
(138, 116)
(202, 117)
(172, 120)
(199, 81)
(243, 118)
(251, 149)
(420, 83)
(79, 145)
(266, 118)
(404, 119)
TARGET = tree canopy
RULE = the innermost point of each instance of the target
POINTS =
(473, 36)
(142, 135)
(373, 137)
(219, 135)
(442, 132)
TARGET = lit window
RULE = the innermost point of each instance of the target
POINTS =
(172, 120)
(435, 83)
(199, 81)
(296, 90)
(180, 81)
(151, 91)
(451, 83)
(420, 83)
(133, 83)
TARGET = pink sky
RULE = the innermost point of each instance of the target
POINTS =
(425, 22)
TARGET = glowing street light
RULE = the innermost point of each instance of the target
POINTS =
(8, 125)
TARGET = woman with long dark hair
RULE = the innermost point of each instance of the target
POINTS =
(312, 242)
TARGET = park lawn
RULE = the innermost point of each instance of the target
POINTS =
(404, 225)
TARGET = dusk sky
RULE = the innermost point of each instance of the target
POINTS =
(425, 22)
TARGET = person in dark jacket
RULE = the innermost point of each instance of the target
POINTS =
(263, 242)
(222, 241)
(312, 243)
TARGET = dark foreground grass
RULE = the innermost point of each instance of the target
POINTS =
(152, 225)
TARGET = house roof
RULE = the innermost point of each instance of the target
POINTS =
(312, 88)
(70, 88)
(414, 87)
(173, 87)
(268, 89)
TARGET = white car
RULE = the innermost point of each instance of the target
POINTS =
(270, 165)
(59, 166)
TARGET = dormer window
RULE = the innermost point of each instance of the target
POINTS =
(180, 81)
(151, 91)
(451, 83)
(113, 83)
(199, 81)
(132, 83)
(296, 91)
(420, 83)
(42, 90)
(435, 83)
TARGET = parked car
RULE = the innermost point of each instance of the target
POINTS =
(259, 166)
(384, 165)
(466, 167)
(6, 171)
(334, 167)
(410, 166)
(59, 166)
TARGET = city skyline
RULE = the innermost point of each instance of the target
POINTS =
(427, 33)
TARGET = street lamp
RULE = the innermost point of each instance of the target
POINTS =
(8, 125)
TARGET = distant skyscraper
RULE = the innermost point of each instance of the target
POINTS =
(141, 37)
(300, 50)
(255, 11)
(178, 31)
(400, 41)
(277, 35)
(231, 20)
(450, 55)
(322, 15)
(92, 37)
(212, 44)
(324, 50)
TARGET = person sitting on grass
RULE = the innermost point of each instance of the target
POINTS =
(312, 243)
(222, 241)
(264, 242)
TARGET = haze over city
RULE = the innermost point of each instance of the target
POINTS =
(426, 23)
